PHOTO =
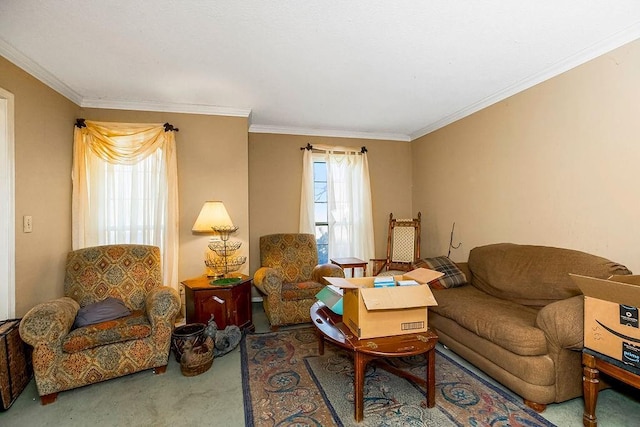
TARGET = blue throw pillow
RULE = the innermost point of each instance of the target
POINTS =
(101, 311)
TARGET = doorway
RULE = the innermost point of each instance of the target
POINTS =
(7, 207)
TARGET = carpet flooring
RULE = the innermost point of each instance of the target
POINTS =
(285, 382)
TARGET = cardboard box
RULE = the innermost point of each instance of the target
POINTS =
(371, 312)
(611, 323)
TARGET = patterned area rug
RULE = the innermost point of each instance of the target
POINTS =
(286, 383)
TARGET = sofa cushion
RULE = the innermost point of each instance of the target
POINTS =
(132, 327)
(509, 325)
(453, 276)
(300, 291)
(534, 275)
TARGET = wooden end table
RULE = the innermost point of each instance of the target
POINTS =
(351, 263)
(592, 365)
(330, 328)
(229, 303)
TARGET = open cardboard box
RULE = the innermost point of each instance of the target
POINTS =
(611, 323)
(371, 312)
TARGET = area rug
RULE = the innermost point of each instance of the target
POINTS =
(286, 383)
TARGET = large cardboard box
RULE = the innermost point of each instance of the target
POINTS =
(371, 312)
(611, 316)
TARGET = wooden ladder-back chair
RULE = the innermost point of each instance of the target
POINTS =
(403, 246)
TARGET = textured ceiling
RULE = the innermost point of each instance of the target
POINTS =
(378, 69)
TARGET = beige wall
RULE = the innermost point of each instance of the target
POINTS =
(554, 165)
(213, 163)
(275, 165)
(43, 148)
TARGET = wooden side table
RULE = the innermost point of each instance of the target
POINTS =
(351, 263)
(230, 303)
(592, 365)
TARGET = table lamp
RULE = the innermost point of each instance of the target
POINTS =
(214, 217)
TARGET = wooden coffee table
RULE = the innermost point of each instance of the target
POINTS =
(592, 365)
(330, 328)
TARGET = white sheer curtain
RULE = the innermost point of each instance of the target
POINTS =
(307, 217)
(349, 201)
(125, 189)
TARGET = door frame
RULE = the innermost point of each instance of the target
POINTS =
(7, 207)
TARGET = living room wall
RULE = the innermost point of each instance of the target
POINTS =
(554, 165)
(275, 179)
(43, 148)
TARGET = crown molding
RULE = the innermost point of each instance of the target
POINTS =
(607, 45)
(283, 130)
(27, 64)
(167, 107)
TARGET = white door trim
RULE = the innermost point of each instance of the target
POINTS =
(7, 207)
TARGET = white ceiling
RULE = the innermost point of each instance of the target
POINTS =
(365, 68)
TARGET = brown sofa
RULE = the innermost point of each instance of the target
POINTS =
(520, 317)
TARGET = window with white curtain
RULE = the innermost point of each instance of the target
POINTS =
(321, 209)
(129, 197)
(336, 202)
(125, 188)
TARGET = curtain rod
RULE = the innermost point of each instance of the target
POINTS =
(169, 127)
(309, 147)
(80, 123)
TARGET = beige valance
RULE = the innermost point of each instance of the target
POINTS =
(121, 143)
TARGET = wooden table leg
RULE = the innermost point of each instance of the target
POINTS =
(590, 388)
(431, 378)
(359, 368)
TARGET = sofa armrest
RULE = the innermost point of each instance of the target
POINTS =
(326, 270)
(162, 305)
(563, 323)
(48, 323)
(268, 280)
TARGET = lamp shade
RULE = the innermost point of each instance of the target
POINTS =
(213, 214)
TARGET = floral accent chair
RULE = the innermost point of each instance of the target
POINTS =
(290, 277)
(66, 358)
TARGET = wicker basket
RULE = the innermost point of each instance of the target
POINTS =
(192, 332)
(15, 363)
(196, 360)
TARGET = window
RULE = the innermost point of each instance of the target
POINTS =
(335, 201)
(125, 188)
(321, 210)
(128, 196)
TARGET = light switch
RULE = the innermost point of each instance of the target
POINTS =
(27, 224)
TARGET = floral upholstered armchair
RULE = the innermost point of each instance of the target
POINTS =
(290, 277)
(66, 357)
